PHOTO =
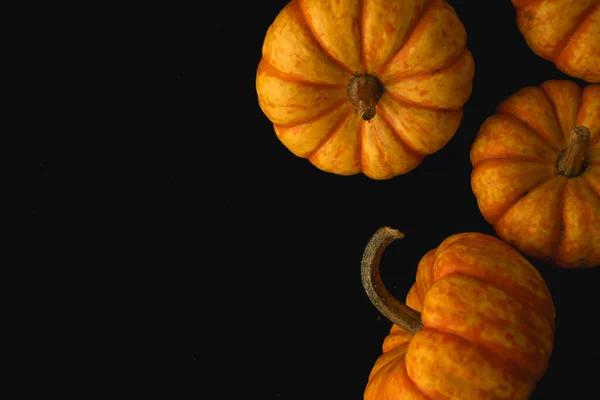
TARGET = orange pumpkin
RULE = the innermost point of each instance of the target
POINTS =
(566, 32)
(536, 172)
(478, 323)
(369, 86)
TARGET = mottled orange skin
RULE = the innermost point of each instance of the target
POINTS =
(545, 215)
(566, 32)
(416, 48)
(489, 327)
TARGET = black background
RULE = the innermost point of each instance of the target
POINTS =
(246, 258)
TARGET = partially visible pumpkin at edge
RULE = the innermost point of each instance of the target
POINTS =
(365, 86)
(536, 172)
(565, 32)
(478, 323)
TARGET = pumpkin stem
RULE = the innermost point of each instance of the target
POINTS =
(572, 161)
(394, 310)
(364, 92)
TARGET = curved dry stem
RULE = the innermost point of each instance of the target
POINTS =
(572, 161)
(393, 309)
(364, 92)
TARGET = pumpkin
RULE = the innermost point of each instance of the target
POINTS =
(477, 324)
(365, 86)
(536, 172)
(565, 32)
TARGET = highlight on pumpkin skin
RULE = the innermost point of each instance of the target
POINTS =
(536, 172)
(401, 66)
(564, 32)
(478, 323)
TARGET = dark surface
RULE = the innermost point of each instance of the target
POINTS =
(264, 249)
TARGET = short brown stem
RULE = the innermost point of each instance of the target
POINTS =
(572, 161)
(364, 92)
(394, 310)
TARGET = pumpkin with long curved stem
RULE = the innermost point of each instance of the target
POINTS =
(369, 86)
(478, 323)
(536, 172)
(566, 32)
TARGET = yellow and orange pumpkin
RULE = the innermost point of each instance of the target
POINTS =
(536, 172)
(369, 86)
(566, 32)
(478, 323)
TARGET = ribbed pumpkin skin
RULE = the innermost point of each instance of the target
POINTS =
(489, 327)
(566, 32)
(545, 215)
(417, 50)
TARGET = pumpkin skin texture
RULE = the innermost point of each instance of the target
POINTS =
(566, 32)
(487, 323)
(517, 180)
(365, 86)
